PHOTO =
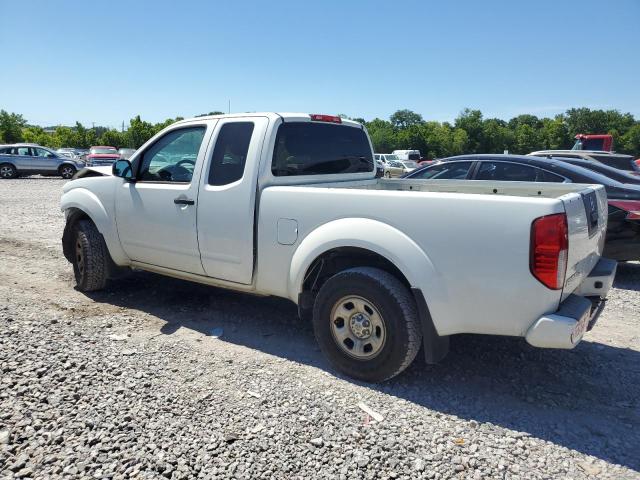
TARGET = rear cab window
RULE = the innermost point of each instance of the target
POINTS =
(310, 148)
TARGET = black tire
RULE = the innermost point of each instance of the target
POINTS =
(67, 171)
(90, 257)
(387, 175)
(8, 171)
(396, 306)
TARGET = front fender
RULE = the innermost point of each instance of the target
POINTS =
(89, 203)
(378, 237)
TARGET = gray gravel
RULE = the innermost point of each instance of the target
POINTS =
(131, 382)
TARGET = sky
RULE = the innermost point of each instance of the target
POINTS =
(104, 62)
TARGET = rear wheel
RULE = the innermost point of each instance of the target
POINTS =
(8, 171)
(387, 174)
(90, 257)
(67, 171)
(366, 323)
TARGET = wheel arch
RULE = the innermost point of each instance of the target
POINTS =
(358, 239)
(81, 204)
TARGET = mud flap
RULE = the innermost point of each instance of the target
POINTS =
(436, 347)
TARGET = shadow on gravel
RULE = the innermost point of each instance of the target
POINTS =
(628, 276)
(587, 399)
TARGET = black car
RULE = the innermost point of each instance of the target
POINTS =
(621, 176)
(623, 229)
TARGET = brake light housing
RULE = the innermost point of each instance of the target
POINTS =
(632, 207)
(550, 250)
(318, 117)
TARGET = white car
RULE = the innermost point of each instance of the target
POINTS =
(413, 155)
(287, 204)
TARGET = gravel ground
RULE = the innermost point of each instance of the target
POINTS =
(133, 383)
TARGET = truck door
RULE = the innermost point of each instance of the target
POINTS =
(156, 214)
(227, 197)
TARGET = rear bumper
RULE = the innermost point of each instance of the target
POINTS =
(578, 313)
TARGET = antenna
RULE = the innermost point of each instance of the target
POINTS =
(229, 111)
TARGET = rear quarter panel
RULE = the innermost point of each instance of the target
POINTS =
(476, 278)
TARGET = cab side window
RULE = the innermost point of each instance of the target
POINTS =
(24, 151)
(172, 157)
(230, 153)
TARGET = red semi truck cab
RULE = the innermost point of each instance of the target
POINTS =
(593, 142)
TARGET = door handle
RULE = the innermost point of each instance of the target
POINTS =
(183, 201)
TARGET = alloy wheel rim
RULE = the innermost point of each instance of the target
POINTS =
(357, 327)
(6, 172)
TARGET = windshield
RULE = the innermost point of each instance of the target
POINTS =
(392, 157)
(101, 151)
(414, 156)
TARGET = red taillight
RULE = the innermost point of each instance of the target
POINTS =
(549, 250)
(316, 117)
(638, 162)
(632, 207)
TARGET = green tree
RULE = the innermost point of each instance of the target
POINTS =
(113, 138)
(405, 118)
(139, 132)
(554, 134)
(11, 125)
(383, 135)
(471, 122)
(630, 141)
(33, 134)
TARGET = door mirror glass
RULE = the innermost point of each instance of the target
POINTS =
(122, 168)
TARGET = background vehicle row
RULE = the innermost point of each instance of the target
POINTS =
(27, 159)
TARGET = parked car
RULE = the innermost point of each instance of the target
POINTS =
(397, 168)
(102, 155)
(386, 157)
(28, 159)
(413, 155)
(623, 232)
(621, 176)
(126, 153)
(376, 283)
(67, 152)
(615, 160)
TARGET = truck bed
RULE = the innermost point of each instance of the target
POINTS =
(478, 187)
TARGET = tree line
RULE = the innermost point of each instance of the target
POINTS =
(470, 132)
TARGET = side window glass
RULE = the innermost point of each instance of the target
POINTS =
(40, 152)
(508, 172)
(446, 171)
(544, 176)
(172, 158)
(230, 153)
(24, 151)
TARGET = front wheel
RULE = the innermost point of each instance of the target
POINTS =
(366, 324)
(387, 174)
(90, 257)
(67, 171)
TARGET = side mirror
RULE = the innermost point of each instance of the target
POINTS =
(122, 168)
(50, 155)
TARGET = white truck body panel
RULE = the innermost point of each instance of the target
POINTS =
(465, 245)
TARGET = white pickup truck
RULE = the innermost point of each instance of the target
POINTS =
(288, 205)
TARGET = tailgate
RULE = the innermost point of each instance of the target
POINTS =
(587, 223)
